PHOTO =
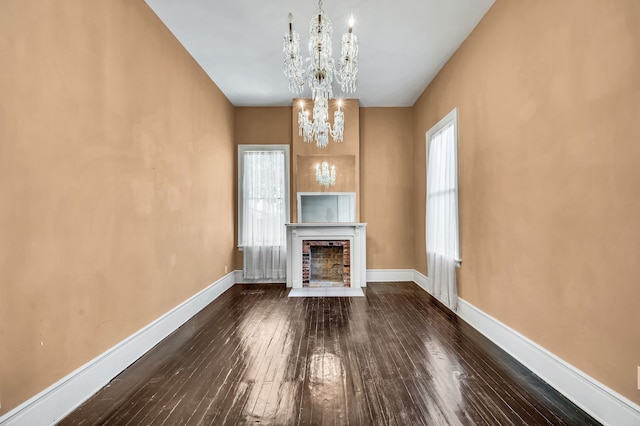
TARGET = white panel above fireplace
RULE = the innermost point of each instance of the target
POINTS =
(326, 207)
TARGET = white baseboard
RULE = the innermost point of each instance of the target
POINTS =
(602, 403)
(422, 280)
(373, 276)
(389, 275)
(59, 399)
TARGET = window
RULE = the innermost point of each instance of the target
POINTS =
(263, 209)
(442, 223)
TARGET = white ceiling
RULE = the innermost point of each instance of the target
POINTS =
(403, 43)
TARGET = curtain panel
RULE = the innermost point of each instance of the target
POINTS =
(264, 215)
(442, 215)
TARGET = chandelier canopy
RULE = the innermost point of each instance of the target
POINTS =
(318, 71)
(325, 174)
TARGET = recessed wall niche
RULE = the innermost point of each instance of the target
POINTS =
(344, 155)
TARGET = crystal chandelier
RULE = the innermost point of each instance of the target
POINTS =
(325, 175)
(319, 71)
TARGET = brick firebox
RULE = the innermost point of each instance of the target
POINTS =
(322, 260)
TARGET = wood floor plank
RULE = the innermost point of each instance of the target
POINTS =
(394, 357)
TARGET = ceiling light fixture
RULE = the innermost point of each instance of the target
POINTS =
(319, 71)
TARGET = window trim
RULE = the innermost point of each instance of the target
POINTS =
(451, 117)
(242, 148)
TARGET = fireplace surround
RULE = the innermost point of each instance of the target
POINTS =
(352, 235)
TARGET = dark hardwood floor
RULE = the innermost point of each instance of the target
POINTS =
(394, 357)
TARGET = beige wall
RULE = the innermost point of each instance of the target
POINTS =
(116, 183)
(262, 125)
(386, 170)
(548, 96)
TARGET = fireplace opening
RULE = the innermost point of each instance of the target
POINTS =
(326, 264)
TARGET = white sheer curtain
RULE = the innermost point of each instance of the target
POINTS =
(264, 215)
(443, 252)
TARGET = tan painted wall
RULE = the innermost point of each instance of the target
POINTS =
(349, 147)
(548, 96)
(258, 125)
(116, 183)
(262, 125)
(386, 157)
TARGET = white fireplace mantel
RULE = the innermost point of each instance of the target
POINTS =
(355, 233)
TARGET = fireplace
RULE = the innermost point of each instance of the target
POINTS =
(327, 239)
(326, 263)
